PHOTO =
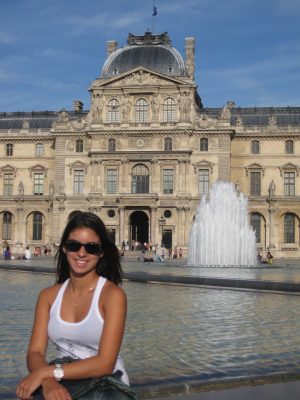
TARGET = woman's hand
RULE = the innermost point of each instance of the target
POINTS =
(52, 390)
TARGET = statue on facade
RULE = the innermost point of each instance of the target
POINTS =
(21, 189)
(154, 106)
(62, 187)
(98, 108)
(185, 103)
(126, 107)
(225, 113)
(272, 189)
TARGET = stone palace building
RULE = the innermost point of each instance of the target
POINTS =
(143, 155)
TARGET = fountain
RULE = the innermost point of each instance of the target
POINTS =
(221, 234)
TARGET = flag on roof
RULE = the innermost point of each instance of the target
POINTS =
(154, 11)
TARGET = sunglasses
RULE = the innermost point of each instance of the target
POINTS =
(90, 248)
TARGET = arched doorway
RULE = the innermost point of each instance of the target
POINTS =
(139, 227)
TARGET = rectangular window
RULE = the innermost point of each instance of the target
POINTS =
(6, 227)
(168, 144)
(111, 145)
(38, 186)
(168, 181)
(289, 147)
(255, 183)
(111, 181)
(203, 181)
(289, 228)
(8, 185)
(78, 181)
(39, 149)
(289, 183)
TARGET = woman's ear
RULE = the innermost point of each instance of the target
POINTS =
(64, 249)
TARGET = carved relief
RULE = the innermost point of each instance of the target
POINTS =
(194, 143)
(139, 78)
(78, 124)
(63, 116)
(69, 145)
(203, 121)
(139, 143)
(272, 120)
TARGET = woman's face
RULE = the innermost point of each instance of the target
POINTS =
(81, 262)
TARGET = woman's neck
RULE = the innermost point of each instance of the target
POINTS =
(84, 283)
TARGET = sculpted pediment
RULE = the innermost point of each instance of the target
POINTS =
(140, 76)
(203, 164)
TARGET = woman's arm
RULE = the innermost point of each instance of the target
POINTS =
(36, 361)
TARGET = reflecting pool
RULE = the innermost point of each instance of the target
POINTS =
(173, 332)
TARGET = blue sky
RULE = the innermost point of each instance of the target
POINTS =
(247, 51)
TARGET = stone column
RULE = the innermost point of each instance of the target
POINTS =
(121, 223)
(152, 225)
(271, 210)
(93, 177)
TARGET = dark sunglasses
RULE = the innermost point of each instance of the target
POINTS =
(91, 248)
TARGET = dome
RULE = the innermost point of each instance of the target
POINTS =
(153, 52)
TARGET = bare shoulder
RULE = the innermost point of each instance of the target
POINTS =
(48, 295)
(113, 292)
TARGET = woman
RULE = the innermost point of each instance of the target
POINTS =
(83, 314)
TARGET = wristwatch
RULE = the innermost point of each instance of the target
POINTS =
(58, 372)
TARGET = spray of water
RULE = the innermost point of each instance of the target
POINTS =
(221, 234)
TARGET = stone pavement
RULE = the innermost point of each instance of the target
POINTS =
(265, 388)
(271, 391)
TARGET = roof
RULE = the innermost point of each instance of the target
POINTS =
(153, 52)
(260, 116)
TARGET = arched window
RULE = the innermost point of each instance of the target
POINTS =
(113, 111)
(169, 110)
(39, 149)
(203, 144)
(141, 111)
(37, 226)
(9, 149)
(255, 222)
(168, 144)
(140, 179)
(79, 146)
(6, 225)
(289, 146)
(289, 228)
(255, 146)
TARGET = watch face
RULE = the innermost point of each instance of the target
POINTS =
(58, 372)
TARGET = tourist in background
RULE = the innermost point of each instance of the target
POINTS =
(83, 314)
(7, 253)
(180, 252)
(269, 258)
(27, 253)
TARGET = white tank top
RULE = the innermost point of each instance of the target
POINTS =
(81, 339)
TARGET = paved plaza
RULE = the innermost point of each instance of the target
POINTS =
(275, 388)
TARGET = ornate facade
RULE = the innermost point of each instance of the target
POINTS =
(144, 154)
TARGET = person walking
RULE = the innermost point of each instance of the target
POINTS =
(269, 258)
(83, 315)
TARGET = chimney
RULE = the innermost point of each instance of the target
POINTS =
(111, 46)
(78, 106)
(190, 56)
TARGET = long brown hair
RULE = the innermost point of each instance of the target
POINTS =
(108, 266)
